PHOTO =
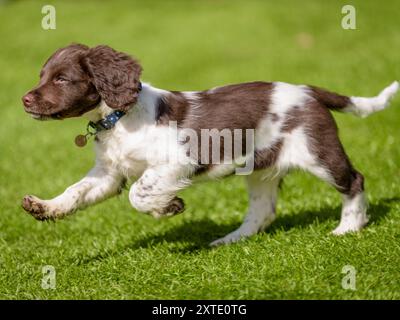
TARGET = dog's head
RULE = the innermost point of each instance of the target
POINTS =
(76, 78)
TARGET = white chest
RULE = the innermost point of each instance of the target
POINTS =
(131, 149)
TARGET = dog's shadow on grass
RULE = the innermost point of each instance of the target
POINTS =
(197, 235)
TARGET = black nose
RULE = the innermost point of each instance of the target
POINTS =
(28, 100)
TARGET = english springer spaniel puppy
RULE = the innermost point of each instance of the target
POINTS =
(165, 140)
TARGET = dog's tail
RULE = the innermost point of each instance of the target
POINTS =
(358, 106)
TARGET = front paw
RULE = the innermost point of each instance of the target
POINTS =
(36, 207)
(175, 207)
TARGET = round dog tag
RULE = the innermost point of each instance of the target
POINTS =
(80, 140)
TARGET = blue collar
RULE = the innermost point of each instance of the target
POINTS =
(106, 123)
(94, 128)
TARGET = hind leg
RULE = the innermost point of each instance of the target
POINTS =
(353, 217)
(316, 148)
(350, 183)
(261, 212)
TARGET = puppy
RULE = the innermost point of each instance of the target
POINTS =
(165, 140)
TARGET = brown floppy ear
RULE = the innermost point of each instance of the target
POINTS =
(115, 76)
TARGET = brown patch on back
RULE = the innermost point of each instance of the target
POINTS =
(238, 106)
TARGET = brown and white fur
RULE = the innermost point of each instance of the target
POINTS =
(293, 128)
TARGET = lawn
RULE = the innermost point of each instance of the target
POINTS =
(110, 251)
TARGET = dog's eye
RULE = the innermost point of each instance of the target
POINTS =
(60, 79)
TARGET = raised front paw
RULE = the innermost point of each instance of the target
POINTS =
(175, 207)
(36, 207)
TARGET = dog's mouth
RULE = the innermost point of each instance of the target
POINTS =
(44, 117)
(58, 112)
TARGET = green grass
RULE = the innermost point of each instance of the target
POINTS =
(110, 251)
